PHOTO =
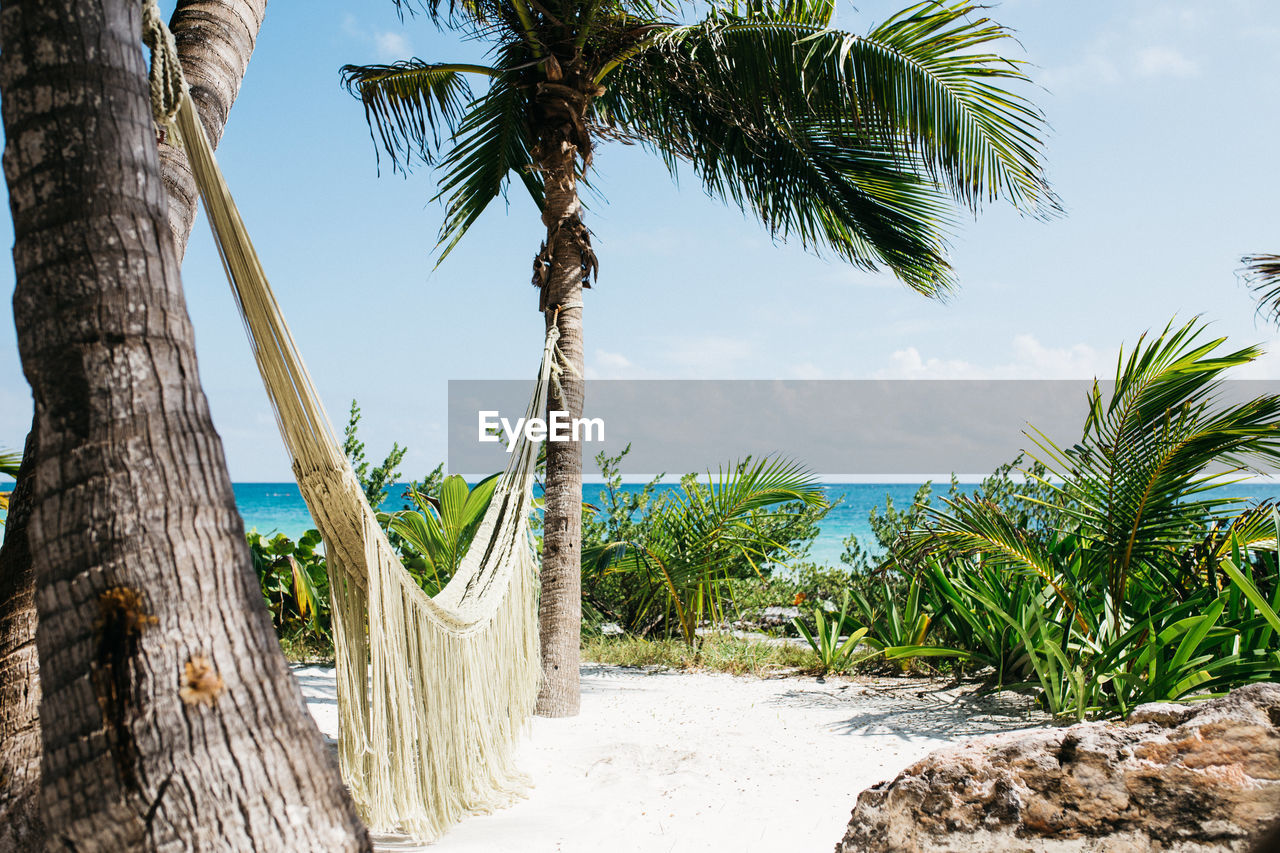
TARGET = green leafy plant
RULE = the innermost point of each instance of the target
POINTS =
(1137, 589)
(436, 535)
(376, 481)
(294, 583)
(833, 654)
(617, 515)
(899, 627)
(695, 539)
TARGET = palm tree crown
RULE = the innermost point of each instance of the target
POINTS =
(863, 145)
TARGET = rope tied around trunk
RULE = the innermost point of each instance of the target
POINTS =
(167, 84)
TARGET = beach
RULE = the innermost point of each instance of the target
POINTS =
(692, 761)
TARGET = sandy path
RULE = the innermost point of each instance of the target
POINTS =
(706, 762)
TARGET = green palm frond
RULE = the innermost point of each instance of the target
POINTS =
(1252, 530)
(409, 104)
(10, 462)
(472, 16)
(849, 142)
(927, 72)
(1152, 450)
(1262, 273)
(493, 141)
(693, 537)
(800, 180)
(971, 527)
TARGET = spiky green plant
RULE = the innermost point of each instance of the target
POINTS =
(1143, 480)
(833, 654)
(1137, 595)
(695, 537)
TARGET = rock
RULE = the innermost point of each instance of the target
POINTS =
(778, 617)
(1173, 778)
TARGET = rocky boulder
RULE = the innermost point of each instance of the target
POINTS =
(1175, 778)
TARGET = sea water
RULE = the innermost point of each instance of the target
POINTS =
(278, 507)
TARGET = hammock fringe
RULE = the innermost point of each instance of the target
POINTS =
(432, 692)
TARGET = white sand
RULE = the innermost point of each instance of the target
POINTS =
(705, 762)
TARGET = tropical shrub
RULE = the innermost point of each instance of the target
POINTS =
(748, 582)
(294, 583)
(693, 541)
(434, 537)
(834, 655)
(1147, 581)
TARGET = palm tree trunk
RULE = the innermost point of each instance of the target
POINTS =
(562, 266)
(20, 824)
(215, 40)
(168, 716)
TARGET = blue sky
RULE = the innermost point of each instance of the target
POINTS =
(1164, 128)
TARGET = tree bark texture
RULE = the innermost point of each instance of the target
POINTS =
(168, 716)
(20, 824)
(561, 269)
(215, 40)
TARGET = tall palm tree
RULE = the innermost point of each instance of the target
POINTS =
(168, 716)
(861, 145)
(215, 40)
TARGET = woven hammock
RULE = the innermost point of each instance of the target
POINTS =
(432, 692)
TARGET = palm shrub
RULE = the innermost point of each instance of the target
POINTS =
(434, 537)
(695, 539)
(1129, 598)
(617, 515)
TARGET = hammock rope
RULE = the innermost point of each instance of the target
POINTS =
(432, 692)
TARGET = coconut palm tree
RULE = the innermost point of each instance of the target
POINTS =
(168, 717)
(862, 145)
(215, 40)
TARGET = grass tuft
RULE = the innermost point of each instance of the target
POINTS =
(716, 653)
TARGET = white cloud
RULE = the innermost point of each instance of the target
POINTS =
(1165, 62)
(388, 46)
(707, 356)
(1265, 367)
(1029, 359)
(609, 365)
(690, 357)
(391, 46)
(1157, 40)
(808, 370)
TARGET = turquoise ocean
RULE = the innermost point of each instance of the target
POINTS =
(278, 507)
